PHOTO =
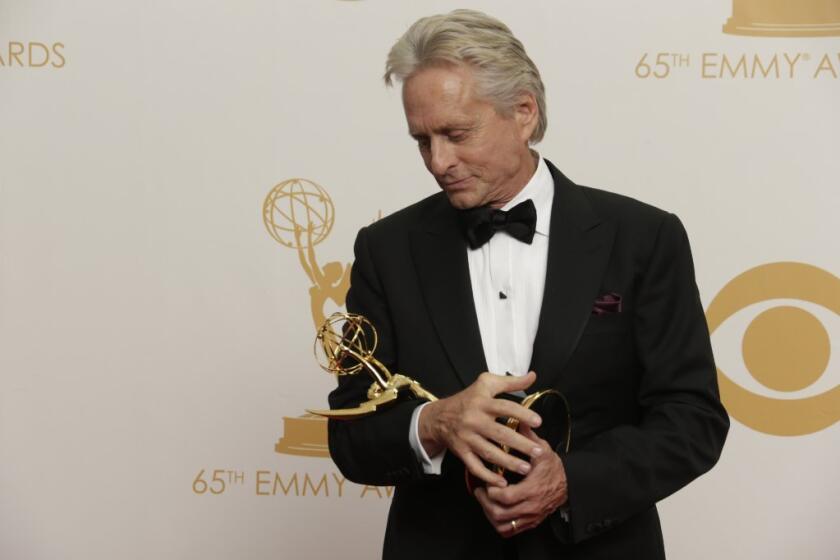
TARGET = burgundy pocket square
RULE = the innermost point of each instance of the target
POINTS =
(607, 303)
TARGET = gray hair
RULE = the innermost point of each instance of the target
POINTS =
(503, 70)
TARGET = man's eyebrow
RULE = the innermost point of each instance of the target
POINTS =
(443, 130)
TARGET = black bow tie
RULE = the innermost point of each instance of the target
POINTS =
(480, 224)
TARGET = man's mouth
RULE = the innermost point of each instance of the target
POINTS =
(454, 185)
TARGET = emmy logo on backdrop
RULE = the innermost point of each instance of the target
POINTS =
(800, 18)
(299, 214)
(785, 348)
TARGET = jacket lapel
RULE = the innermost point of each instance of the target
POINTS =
(440, 257)
(578, 251)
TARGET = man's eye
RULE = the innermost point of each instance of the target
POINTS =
(458, 137)
(423, 143)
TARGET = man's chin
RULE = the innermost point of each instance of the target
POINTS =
(462, 200)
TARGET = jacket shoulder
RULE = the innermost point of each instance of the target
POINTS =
(639, 227)
(622, 208)
(627, 213)
(398, 224)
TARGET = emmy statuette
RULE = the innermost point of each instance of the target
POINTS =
(345, 344)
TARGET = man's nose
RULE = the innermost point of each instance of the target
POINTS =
(441, 157)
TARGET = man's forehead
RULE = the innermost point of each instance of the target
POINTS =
(444, 127)
(455, 86)
(441, 98)
(438, 84)
(440, 120)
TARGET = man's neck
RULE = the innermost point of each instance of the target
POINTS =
(521, 179)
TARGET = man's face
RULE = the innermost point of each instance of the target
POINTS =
(477, 156)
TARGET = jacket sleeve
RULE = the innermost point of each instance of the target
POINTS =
(683, 425)
(374, 449)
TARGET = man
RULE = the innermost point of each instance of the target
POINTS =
(567, 287)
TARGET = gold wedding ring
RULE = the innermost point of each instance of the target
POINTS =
(513, 525)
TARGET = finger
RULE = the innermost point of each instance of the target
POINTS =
(503, 408)
(481, 495)
(515, 495)
(480, 471)
(535, 487)
(503, 435)
(486, 503)
(529, 433)
(494, 512)
(494, 455)
(507, 529)
(511, 383)
(523, 510)
(504, 498)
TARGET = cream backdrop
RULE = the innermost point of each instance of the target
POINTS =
(155, 340)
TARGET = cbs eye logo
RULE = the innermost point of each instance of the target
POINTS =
(785, 347)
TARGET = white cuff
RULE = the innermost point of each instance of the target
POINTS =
(430, 465)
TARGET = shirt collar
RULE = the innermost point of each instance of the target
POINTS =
(540, 189)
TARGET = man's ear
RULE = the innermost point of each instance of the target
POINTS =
(526, 112)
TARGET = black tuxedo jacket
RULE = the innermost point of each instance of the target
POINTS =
(641, 383)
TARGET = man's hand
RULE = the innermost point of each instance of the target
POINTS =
(525, 505)
(465, 423)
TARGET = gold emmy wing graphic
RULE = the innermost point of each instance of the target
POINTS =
(785, 348)
(299, 214)
(345, 344)
(784, 18)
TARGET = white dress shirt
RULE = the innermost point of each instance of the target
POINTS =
(508, 280)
